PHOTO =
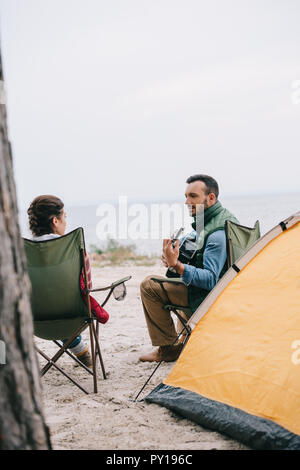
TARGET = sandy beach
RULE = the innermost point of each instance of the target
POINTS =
(110, 420)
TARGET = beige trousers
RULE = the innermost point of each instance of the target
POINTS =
(159, 321)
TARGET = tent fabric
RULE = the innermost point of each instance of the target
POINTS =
(241, 364)
(256, 432)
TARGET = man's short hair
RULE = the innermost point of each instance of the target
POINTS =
(210, 183)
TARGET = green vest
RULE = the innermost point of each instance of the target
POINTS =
(214, 219)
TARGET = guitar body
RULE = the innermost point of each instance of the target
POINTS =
(187, 251)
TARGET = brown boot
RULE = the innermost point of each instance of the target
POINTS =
(164, 353)
(85, 358)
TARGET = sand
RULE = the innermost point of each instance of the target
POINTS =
(110, 420)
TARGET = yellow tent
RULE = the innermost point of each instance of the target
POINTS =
(239, 373)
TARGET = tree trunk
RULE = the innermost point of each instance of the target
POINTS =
(22, 424)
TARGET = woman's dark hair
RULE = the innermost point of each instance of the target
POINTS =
(41, 212)
(209, 181)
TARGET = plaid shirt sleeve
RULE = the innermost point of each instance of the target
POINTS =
(88, 271)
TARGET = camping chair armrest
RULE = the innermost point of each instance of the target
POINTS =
(99, 289)
(111, 286)
(161, 281)
(188, 312)
(185, 309)
(171, 280)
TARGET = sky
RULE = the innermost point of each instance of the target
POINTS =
(130, 97)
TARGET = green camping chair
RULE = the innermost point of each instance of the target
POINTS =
(238, 239)
(59, 311)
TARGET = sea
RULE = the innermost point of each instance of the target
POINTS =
(268, 209)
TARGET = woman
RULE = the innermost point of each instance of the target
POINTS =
(47, 220)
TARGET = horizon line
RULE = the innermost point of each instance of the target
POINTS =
(176, 199)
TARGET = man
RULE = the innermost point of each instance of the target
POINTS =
(209, 264)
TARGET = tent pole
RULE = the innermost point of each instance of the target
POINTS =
(185, 341)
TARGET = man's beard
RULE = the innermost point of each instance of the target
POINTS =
(198, 208)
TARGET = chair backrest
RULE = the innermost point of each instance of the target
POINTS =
(239, 239)
(54, 268)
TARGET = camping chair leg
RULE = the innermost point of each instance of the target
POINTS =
(187, 328)
(98, 351)
(107, 297)
(97, 334)
(74, 357)
(60, 370)
(62, 350)
(188, 331)
(181, 319)
(93, 355)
